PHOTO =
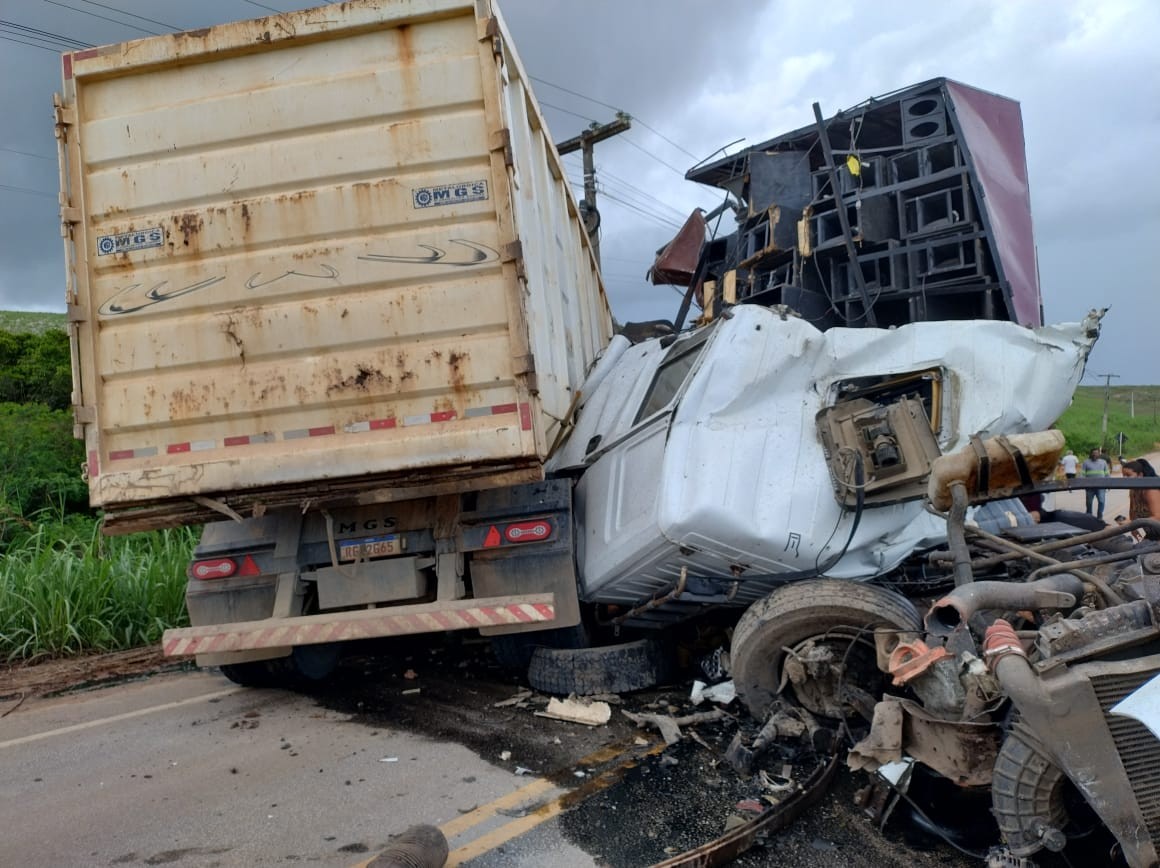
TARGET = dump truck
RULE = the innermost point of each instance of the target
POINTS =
(326, 274)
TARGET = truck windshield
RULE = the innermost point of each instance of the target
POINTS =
(672, 373)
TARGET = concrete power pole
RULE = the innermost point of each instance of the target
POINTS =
(584, 143)
(1107, 397)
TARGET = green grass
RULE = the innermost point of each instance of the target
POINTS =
(66, 590)
(1082, 423)
(30, 322)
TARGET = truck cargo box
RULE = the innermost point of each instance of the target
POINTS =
(329, 252)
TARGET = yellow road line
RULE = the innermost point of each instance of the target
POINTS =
(541, 814)
(141, 712)
(484, 812)
(489, 841)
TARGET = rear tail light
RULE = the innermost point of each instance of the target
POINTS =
(528, 531)
(535, 530)
(223, 568)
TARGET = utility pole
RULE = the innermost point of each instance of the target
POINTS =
(1107, 397)
(584, 143)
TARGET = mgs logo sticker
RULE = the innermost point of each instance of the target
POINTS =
(449, 194)
(154, 236)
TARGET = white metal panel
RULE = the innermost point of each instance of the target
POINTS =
(744, 482)
(299, 260)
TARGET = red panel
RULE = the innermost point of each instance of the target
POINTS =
(992, 129)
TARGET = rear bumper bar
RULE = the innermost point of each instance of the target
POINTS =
(360, 624)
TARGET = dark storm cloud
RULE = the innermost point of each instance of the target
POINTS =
(696, 76)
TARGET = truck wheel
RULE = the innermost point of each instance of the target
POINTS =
(1027, 797)
(830, 612)
(305, 667)
(253, 674)
(514, 650)
(585, 671)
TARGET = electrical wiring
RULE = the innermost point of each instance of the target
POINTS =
(264, 6)
(42, 35)
(653, 156)
(27, 190)
(130, 14)
(660, 221)
(27, 154)
(32, 44)
(651, 129)
(102, 17)
(567, 111)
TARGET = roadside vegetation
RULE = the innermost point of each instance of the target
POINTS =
(64, 588)
(1132, 410)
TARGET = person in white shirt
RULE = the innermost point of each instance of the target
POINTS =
(1070, 464)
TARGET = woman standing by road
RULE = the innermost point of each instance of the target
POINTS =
(1142, 502)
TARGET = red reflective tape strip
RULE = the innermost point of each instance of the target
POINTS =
(94, 463)
(120, 454)
(66, 62)
(526, 416)
(444, 416)
(443, 620)
(320, 432)
(243, 440)
(86, 54)
(547, 611)
(173, 448)
(379, 424)
(502, 409)
(289, 633)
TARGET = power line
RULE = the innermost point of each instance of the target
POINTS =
(102, 17)
(264, 6)
(655, 132)
(132, 15)
(33, 44)
(654, 156)
(43, 35)
(27, 190)
(26, 153)
(656, 218)
(620, 181)
(567, 111)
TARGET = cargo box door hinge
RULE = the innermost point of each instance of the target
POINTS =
(514, 253)
(64, 116)
(489, 29)
(501, 140)
(84, 415)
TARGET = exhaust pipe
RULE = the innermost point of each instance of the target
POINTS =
(1053, 592)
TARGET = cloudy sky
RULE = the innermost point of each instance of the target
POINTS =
(697, 76)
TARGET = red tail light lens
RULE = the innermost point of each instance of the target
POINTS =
(528, 531)
(215, 568)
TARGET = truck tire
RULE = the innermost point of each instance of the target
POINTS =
(586, 671)
(305, 667)
(514, 650)
(833, 610)
(252, 674)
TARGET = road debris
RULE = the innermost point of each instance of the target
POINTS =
(520, 699)
(421, 846)
(670, 727)
(723, 693)
(576, 710)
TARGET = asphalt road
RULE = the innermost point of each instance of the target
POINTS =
(187, 769)
(183, 768)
